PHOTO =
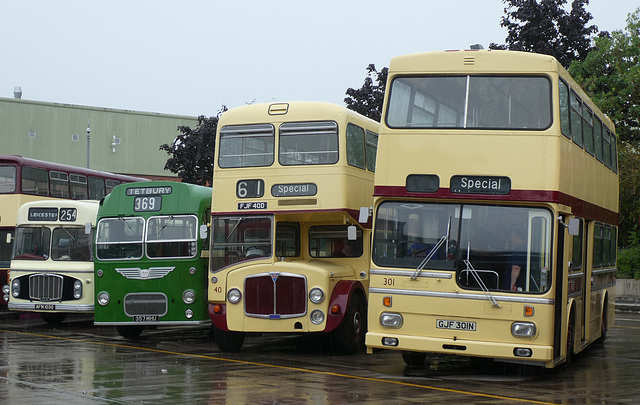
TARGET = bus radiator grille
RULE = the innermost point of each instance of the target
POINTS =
(145, 304)
(269, 295)
(45, 287)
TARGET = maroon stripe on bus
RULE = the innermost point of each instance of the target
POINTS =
(579, 207)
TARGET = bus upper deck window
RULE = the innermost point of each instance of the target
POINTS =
(7, 179)
(308, 143)
(246, 145)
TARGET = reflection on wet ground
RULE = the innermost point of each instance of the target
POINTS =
(78, 363)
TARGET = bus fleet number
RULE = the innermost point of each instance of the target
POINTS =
(147, 203)
(68, 214)
(388, 281)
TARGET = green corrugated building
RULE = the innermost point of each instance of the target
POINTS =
(119, 141)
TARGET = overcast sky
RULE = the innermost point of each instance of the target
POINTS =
(190, 57)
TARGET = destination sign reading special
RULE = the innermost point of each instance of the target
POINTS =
(480, 184)
(294, 190)
(149, 190)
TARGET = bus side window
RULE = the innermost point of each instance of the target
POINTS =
(287, 239)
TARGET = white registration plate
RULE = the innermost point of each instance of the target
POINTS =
(145, 318)
(455, 325)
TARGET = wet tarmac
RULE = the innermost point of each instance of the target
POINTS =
(79, 363)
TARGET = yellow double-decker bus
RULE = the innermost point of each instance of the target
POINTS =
(287, 252)
(496, 210)
(52, 263)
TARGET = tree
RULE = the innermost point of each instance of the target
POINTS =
(545, 27)
(610, 74)
(192, 151)
(368, 99)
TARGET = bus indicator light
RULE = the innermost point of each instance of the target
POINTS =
(529, 310)
(386, 301)
(335, 309)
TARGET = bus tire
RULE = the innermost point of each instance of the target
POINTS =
(603, 324)
(129, 332)
(228, 342)
(348, 338)
(53, 318)
(415, 359)
(570, 337)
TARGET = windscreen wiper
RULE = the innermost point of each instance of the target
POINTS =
(433, 251)
(476, 277)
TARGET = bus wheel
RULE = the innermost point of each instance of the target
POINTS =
(603, 326)
(228, 342)
(414, 358)
(53, 318)
(129, 332)
(348, 338)
(570, 337)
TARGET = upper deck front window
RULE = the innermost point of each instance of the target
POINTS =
(470, 102)
(7, 179)
(308, 143)
(246, 145)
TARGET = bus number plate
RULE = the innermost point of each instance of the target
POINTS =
(455, 325)
(45, 307)
(145, 318)
(258, 205)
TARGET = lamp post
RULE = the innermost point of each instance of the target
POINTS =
(88, 141)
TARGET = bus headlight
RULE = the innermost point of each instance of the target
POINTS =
(15, 288)
(103, 298)
(234, 296)
(188, 313)
(6, 289)
(189, 296)
(316, 317)
(391, 320)
(77, 289)
(523, 329)
(316, 295)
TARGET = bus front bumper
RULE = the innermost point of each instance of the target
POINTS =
(524, 351)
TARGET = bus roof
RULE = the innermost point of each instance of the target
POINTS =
(183, 198)
(23, 161)
(292, 111)
(86, 211)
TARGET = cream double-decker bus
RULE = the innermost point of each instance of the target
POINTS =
(287, 252)
(52, 263)
(496, 211)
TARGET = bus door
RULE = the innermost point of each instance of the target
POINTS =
(578, 279)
